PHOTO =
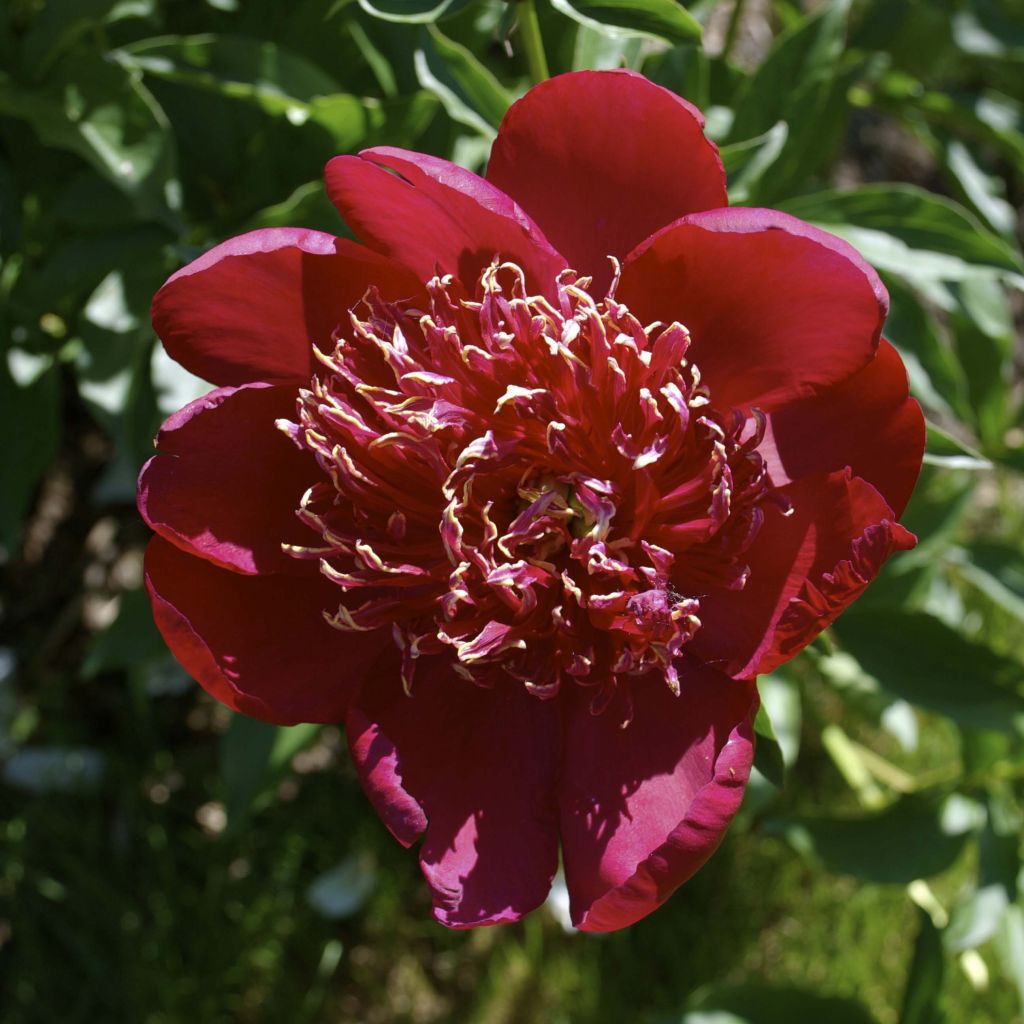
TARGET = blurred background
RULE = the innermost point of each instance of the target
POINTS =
(164, 861)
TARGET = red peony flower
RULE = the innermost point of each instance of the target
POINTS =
(530, 531)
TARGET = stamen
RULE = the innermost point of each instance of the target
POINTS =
(540, 489)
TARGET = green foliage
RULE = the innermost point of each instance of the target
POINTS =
(166, 861)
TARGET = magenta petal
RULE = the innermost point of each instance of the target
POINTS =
(477, 767)
(258, 643)
(804, 569)
(253, 307)
(867, 422)
(601, 160)
(227, 482)
(433, 216)
(643, 807)
(778, 310)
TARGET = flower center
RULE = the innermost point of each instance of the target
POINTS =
(542, 490)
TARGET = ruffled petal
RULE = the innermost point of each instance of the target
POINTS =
(601, 160)
(837, 537)
(778, 310)
(433, 216)
(475, 769)
(253, 307)
(867, 422)
(227, 482)
(258, 643)
(643, 807)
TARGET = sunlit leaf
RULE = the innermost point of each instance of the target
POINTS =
(663, 19)
(925, 661)
(905, 841)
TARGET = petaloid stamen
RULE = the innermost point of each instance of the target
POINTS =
(540, 490)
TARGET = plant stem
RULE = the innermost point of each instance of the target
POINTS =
(533, 45)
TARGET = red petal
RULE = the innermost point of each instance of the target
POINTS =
(476, 768)
(227, 482)
(601, 160)
(253, 307)
(643, 807)
(258, 643)
(433, 216)
(867, 422)
(805, 568)
(778, 310)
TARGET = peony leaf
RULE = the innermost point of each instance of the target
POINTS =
(768, 757)
(921, 659)
(943, 449)
(802, 83)
(663, 19)
(104, 114)
(910, 839)
(755, 1003)
(914, 234)
(924, 980)
(416, 12)
(27, 453)
(253, 755)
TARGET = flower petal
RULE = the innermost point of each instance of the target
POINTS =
(431, 215)
(601, 160)
(643, 807)
(778, 310)
(867, 422)
(258, 643)
(227, 482)
(253, 307)
(805, 568)
(476, 769)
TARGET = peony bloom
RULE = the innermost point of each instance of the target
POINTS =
(528, 486)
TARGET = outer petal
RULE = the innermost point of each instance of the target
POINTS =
(258, 643)
(432, 215)
(601, 160)
(253, 307)
(227, 482)
(778, 310)
(644, 807)
(867, 422)
(805, 568)
(479, 766)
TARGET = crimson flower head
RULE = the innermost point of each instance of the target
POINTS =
(527, 486)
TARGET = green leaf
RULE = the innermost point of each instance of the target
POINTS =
(747, 162)
(936, 376)
(253, 756)
(768, 757)
(103, 113)
(756, 1003)
(921, 997)
(943, 449)
(983, 328)
(904, 842)
(27, 452)
(131, 640)
(663, 19)
(479, 88)
(919, 658)
(254, 70)
(975, 919)
(416, 12)
(802, 83)
(985, 192)
(907, 231)
(1010, 945)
